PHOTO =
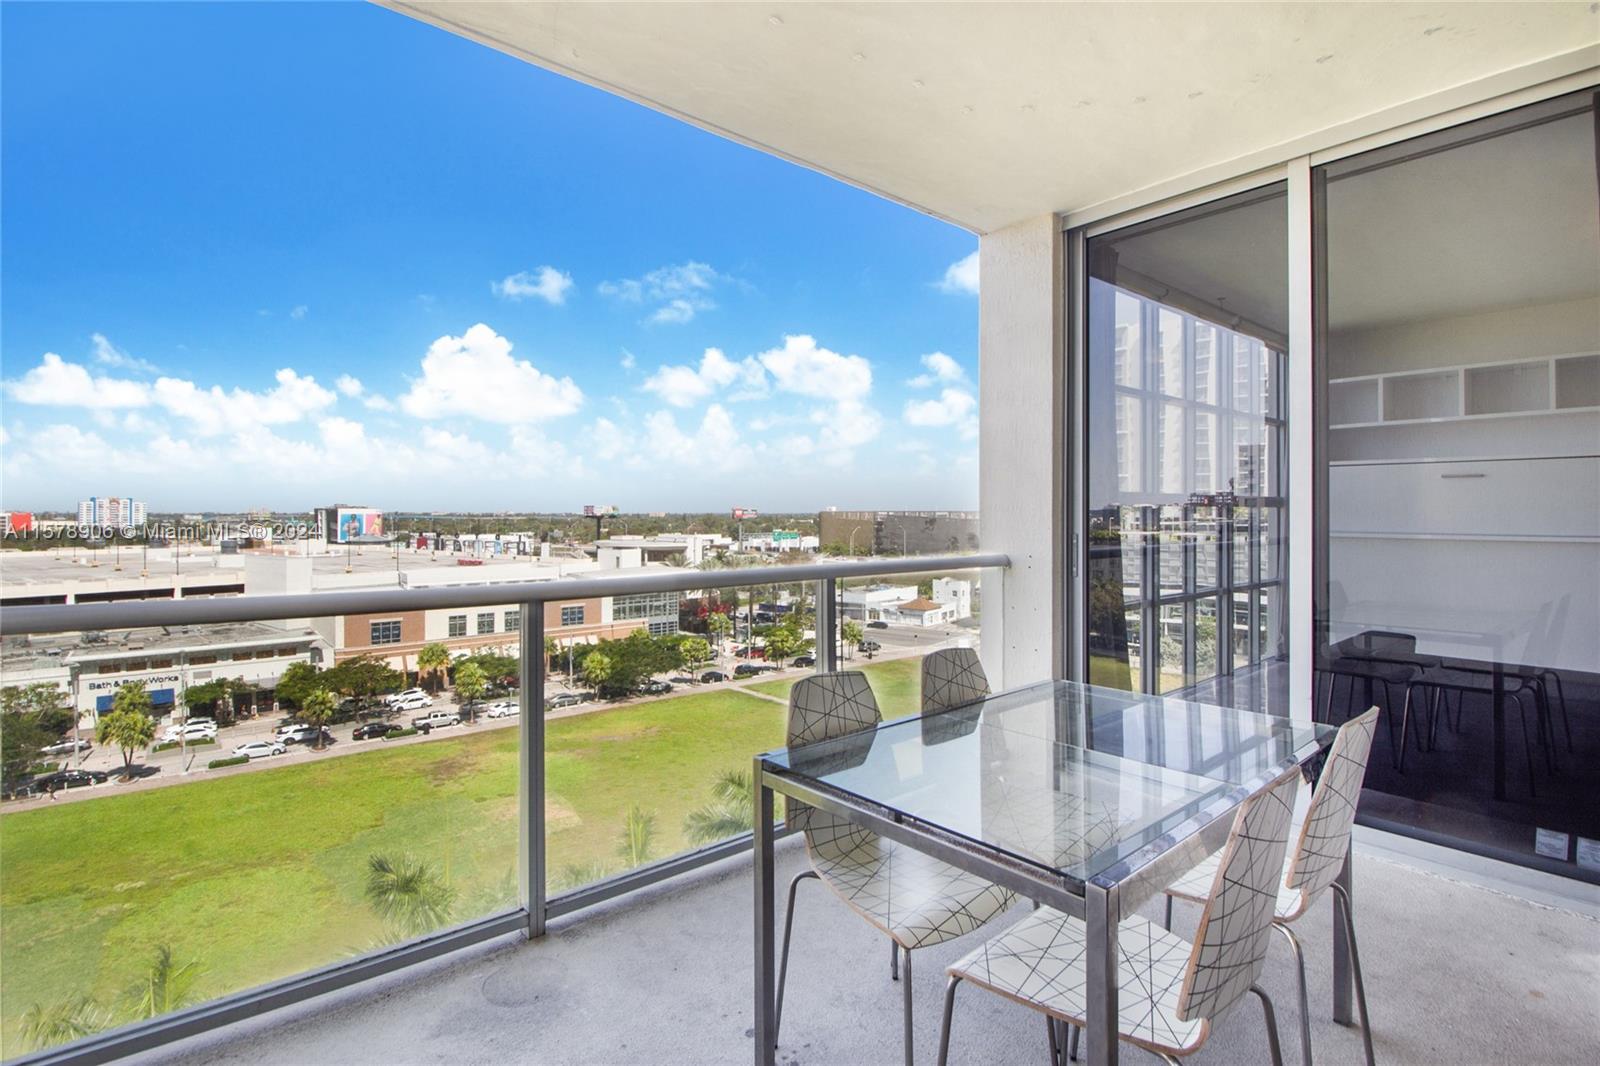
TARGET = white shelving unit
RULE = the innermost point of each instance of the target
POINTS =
(1560, 384)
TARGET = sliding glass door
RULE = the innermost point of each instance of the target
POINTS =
(1459, 437)
(1187, 324)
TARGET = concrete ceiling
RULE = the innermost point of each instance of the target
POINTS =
(989, 113)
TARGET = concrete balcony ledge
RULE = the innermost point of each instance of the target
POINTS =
(1455, 971)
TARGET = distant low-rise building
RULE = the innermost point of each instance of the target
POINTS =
(898, 532)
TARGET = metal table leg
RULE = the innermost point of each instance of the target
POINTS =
(1342, 979)
(1499, 730)
(1101, 913)
(765, 981)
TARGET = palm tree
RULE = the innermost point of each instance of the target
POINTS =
(578, 874)
(317, 710)
(638, 832)
(165, 987)
(408, 894)
(728, 815)
(433, 660)
(66, 1019)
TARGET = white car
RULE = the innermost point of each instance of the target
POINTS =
(396, 697)
(190, 731)
(413, 702)
(504, 709)
(258, 749)
(67, 747)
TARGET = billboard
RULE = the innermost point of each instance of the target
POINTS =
(741, 513)
(591, 510)
(357, 523)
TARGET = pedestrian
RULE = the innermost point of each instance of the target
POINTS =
(52, 792)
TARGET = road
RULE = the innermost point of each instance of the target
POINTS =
(177, 765)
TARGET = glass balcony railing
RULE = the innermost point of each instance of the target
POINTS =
(225, 807)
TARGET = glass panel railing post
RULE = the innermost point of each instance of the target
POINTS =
(827, 625)
(530, 771)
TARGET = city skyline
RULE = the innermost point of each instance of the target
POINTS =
(250, 276)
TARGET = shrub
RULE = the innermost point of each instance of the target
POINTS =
(168, 744)
(44, 768)
(235, 760)
(396, 734)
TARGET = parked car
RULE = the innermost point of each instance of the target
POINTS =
(67, 747)
(435, 720)
(870, 645)
(259, 749)
(565, 699)
(803, 660)
(504, 709)
(64, 779)
(752, 669)
(413, 701)
(394, 698)
(190, 731)
(303, 734)
(878, 624)
(654, 688)
(681, 679)
(370, 730)
(712, 676)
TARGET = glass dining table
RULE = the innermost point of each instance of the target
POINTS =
(1085, 799)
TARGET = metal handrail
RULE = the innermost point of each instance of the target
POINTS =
(133, 614)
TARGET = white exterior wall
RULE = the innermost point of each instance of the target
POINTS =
(1020, 336)
(955, 594)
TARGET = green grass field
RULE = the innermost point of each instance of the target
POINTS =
(897, 683)
(259, 876)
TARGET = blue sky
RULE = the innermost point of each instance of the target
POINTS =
(277, 255)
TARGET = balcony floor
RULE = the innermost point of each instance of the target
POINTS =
(1455, 973)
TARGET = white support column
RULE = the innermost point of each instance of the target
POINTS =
(1020, 338)
(1302, 438)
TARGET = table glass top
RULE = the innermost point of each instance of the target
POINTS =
(1075, 780)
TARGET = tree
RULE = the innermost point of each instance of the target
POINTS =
(720, 625)
(470, 684)
(362, 677)
(128, 730)
(132, 697)
(43, 702)
(433, 660)
(783, 642)
(638, 833)
(163, 988)
(729, 814)
(317, 710)
(297, 682)
(409, 895)
(20, 742)
(852, 633)
(692, 651)
(552, 652)
(498, 667)
(67, 1019)
(596, 669)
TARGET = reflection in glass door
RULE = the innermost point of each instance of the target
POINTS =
(1186, 502)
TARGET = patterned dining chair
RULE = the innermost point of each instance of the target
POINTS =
(1168, 989)
(952, 677)
(913, 898)
(1312, 866)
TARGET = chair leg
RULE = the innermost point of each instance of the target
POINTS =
(905, 995)
(1055, 1045)
(944, 1026)
(1561, 698)
(1527, 747)
(1167, 924)
(1405, 725)
(1305, 998)
(894, 961)
(1355, 970)
(1072, 1043)
(783, 958)
(1272, 1025)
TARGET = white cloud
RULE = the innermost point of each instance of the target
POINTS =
(678, 292)
(801, 367)
(348, 386)
(213, 412)
(940, 369)
(300, 311)
(56, 382)
(352, 388)
(628, 362)
(109, 354)
(475, 375)
(546, 282)
(954, 407)
(684, 386)
(714, 443)
(961, 276)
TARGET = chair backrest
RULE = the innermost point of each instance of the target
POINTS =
(1324, 839)
(821, 707)
(951, 677)
(1230, 944)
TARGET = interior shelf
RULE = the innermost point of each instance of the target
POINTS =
(1562, 384)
